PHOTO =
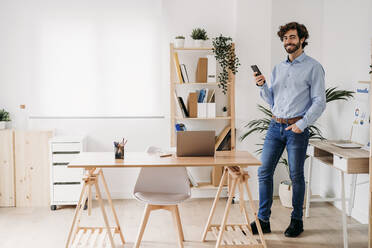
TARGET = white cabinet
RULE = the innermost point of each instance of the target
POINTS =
(65, 183)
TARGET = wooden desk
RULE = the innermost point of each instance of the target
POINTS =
(91, 161)
(350, 161)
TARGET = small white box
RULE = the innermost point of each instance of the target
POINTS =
(211, 110)
(202, 110)
(211, 69)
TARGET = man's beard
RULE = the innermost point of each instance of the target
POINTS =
(292, 49)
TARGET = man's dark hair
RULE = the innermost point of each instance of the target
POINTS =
(301, 31)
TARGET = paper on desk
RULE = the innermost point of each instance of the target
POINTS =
(348, 145)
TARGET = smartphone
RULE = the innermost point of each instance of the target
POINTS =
(255, 69)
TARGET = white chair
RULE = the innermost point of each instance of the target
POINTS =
(162, 188)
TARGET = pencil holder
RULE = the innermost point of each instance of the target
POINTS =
(119, 152)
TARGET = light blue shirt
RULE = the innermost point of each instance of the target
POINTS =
(297, 89)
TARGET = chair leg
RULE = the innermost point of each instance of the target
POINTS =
(177, 222)
(145, 218)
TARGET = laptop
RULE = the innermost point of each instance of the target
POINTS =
(195, 143)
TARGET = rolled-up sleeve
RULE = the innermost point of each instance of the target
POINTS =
(318, 98)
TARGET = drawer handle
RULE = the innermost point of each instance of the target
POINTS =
(67, 183)
(60, 164)
(76, 152)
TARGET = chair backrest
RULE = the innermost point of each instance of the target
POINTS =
(162, 179)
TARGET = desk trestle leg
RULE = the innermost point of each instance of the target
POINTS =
(237, 235)
(93, 236)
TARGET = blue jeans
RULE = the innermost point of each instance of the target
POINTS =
(277, 138)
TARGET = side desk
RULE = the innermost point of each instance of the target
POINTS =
(349, 161)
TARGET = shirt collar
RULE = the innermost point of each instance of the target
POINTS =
(299, 59)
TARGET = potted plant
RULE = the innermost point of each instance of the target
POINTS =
(179, 41)
(261, 126)
(199, 35)
(4, 117)
(226, 58)
(224, 111)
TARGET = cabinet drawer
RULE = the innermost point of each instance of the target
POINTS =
(66, 192)
(64, 174)
(66, 147)
(64, 158)
(351, 165)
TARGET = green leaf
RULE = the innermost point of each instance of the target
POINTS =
(332, 94)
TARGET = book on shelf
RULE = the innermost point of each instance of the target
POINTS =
(192, 104)
(201, 70)
(205, 95)
(201, 95)
(222, 137)
(178, 67)
(211, 96)
(185, 75)
(178, 106)
(182, 75)
(181, 103)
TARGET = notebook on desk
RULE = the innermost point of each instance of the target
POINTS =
(195, 143)
(347, 145)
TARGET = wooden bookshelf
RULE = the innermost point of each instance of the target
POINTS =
(230, 100)
(174, 82)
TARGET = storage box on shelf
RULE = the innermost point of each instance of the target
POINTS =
(65, 183)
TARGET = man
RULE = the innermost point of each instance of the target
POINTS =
(297, 99)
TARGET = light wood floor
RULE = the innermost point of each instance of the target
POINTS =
(40, 227)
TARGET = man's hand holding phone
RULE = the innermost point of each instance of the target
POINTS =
(259, 78)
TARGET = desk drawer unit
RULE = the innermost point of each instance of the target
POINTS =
(351, 165)
(350, 161)
(66, 183)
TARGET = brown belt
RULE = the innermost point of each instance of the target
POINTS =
(289, 121)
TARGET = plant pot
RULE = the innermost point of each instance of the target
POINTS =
(224, 113)
(179, 43)
(285, 194)
(2, 124)
(198, 43)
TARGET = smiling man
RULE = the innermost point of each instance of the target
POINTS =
(297, 99)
